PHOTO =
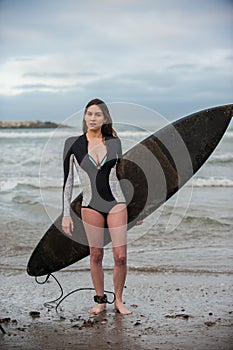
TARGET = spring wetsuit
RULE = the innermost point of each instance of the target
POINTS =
(101, 187)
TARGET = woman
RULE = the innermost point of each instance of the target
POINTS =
(96, 154)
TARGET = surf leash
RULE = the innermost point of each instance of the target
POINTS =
(61, 298)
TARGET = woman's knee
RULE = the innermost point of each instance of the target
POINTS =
(120, 259)
(96, 255)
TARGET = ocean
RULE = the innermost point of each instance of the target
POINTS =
(191, 232)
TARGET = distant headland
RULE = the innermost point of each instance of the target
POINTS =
(27, 124)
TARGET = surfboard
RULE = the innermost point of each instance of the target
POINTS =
(151, 172)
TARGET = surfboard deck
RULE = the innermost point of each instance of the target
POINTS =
(156, 168)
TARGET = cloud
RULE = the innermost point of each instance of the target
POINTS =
(58, 75)
(144, 52)
(42, 87)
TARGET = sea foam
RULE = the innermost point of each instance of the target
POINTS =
(212, 182)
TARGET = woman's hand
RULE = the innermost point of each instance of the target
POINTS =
(139, 222)
(67, 225)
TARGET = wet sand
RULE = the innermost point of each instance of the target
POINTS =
(171, 310)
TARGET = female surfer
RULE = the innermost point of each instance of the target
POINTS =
(96, 154)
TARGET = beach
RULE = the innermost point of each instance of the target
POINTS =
(180, 262)
(170, 311)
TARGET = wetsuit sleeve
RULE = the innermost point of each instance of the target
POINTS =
(68, 162)
(119, 169)
(119, 150)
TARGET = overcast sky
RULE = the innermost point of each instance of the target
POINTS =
(174, 56)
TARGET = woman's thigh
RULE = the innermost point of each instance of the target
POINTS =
(93, 223)
(117, 223)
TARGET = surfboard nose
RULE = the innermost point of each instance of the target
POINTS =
(202, 131)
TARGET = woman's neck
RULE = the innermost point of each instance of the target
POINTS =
(94, 134)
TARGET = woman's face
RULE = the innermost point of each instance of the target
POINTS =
(94, 118)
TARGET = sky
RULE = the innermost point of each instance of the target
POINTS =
(173, 56)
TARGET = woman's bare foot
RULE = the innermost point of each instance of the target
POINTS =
(97, 309)
(120, 307)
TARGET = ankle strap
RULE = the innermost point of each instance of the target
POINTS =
(101, 299)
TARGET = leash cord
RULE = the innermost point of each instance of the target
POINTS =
(60, 299)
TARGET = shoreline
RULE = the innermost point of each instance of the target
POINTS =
(170, 311)
(29, 124)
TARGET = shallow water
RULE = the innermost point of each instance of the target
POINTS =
(193, 230)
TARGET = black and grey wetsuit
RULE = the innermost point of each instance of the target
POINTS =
(101, 187)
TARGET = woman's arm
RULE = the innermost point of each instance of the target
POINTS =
(68, 161)
(118, 149)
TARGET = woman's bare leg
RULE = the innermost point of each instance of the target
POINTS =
(94, 227)
(117, 224)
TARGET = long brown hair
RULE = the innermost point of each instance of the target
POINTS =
(106, 129)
